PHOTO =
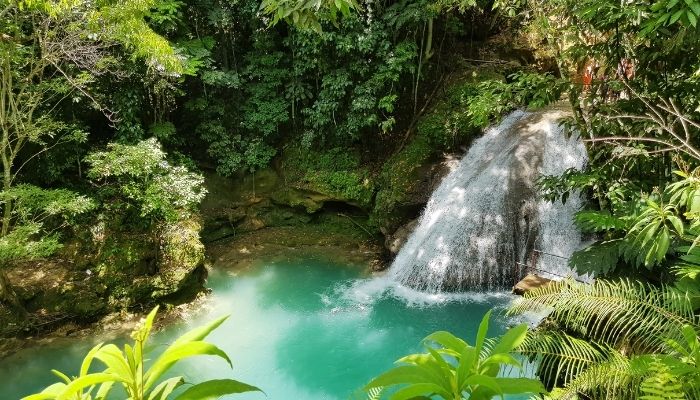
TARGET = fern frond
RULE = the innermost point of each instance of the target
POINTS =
(613, 379)
(661, 384)
(560, 357)
(614, 313)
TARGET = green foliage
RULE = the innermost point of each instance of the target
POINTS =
(260, 89)
(600, 258)
(337, 172)
(141, 177)
(649, 238)
(667, 13)
(397, 180)
(449, 123)
(27, 242)
(307, 15)
(686, 193)
(640, 230)
(355, 94)
(495, 97)
(614, 339)
(453, 369)
(39, 216)
(599, 221)
(123, 22)
(129, 368)
(616, 312)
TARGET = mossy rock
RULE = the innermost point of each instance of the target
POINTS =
(140, 269)
(85, 299)
(336, 174)
(230, 193)
(309, 201)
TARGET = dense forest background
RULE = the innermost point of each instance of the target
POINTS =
(112, 113)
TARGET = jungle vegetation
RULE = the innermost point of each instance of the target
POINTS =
(110, 110)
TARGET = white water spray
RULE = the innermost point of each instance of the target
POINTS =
(484, 217)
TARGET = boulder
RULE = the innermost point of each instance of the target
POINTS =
(395, 241)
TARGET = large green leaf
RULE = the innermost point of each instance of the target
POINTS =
(482, 380)
(165, 388)
(86, 381)
(419, 390)
(482, 331)
(447, 340)
(114, 359)
(180, 351)
(430, 367)
(49, 393)
(511, 339)
(403, 374)
(467, 365)
(200, 332)
(214, 389)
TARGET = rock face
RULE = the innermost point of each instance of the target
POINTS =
(528, 283)
(113, 271)
(395, 241)
(235, 206)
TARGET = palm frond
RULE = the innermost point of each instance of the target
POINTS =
(615, 313)
(599, 258)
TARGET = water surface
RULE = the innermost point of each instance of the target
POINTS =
(307, 330)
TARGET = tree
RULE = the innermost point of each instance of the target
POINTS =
(49, 54)
(138, 178)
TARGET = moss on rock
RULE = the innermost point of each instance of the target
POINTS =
(405, 180)
(337, 174)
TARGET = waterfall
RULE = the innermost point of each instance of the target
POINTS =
(485, 216)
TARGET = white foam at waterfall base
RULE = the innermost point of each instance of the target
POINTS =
(361, 294)
(469, 222)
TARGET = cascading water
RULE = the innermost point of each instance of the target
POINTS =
(485, 216)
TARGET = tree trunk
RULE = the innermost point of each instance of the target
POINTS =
(429, 42)
(7, 202)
